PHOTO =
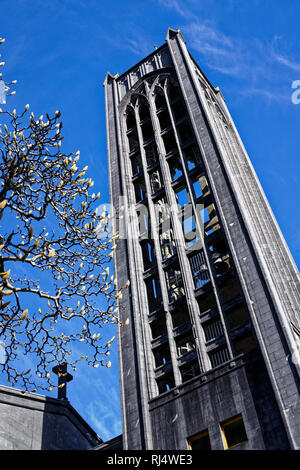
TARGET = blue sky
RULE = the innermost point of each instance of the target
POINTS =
(60, 51)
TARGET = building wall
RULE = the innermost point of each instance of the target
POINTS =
(261, 262)
(129, 364)
(208, 401)
(33, 422)
(254, 239)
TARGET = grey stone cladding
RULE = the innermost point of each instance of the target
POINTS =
(30, 421)
(213, 334)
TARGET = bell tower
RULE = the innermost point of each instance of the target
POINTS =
(209, 359)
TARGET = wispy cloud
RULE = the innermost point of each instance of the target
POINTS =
(287, 62)
(104, 419)
(102, 412)
(278, 96)
(211, 36)
(219, 50)
(254, 63)
(137, 45)
(176, 6)
(281, 58)
(104, 415)
(133, 41)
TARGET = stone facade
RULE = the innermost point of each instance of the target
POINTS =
(214, 320)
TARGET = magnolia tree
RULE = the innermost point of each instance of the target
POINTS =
(56, 292)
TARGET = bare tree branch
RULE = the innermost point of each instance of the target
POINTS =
(55, 252)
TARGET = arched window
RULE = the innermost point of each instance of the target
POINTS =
(130, 119)
(160, 101)
(143, 111)
(173, 91)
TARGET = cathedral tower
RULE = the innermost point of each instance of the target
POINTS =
(209, 359)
